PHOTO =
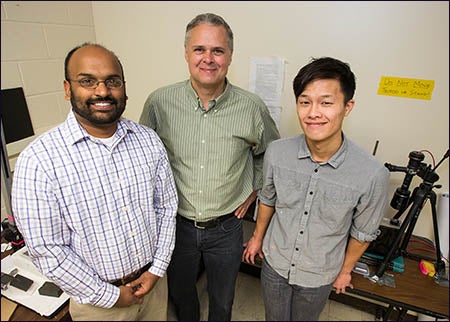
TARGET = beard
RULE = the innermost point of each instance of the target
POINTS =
(96, 117)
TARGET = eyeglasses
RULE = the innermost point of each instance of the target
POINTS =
(92, 83)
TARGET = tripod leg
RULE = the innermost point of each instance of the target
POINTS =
(388, 312)
(440, 264)
(419, 198)
(375, 278)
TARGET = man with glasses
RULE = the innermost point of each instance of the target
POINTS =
(95, 199)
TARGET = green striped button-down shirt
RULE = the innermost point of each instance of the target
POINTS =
(216, 153)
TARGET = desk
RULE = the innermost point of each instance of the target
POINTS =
(414, 291)
(22, 313)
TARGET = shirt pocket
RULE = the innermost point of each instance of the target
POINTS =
(139, 180)
(336, 207)
(289, 186)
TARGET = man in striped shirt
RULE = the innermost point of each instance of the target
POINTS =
(215, 135)
(95, 199)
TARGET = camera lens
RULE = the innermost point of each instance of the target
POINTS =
(415, 158)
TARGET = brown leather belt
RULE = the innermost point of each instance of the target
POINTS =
(130, 277)
(207, 224)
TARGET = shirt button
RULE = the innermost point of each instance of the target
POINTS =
(310, 192)
(292, 265)
(315, 170)
(301, 233)
(305, 212)
(296, 249)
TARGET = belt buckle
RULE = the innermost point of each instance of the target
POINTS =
(197, 226)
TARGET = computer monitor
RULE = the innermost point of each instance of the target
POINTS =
(16, 133)
(15, 115)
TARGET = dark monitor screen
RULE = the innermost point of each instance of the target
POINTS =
(15, 115)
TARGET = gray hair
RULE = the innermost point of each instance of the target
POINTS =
(210, 19)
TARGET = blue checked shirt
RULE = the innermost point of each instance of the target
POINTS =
(91, 213)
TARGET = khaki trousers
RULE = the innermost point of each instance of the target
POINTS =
(154, 308)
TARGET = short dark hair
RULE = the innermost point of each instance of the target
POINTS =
(210, 19)
(326, 68)
(73, 50)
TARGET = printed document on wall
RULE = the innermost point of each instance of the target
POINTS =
(266, 80)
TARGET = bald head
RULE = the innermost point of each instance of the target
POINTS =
(87, 51)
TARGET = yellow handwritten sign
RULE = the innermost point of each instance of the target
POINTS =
(406, 87)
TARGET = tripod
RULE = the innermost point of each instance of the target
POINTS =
(401, 201)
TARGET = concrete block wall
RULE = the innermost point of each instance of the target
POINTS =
(35, 38)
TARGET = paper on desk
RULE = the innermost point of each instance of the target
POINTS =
(44, 305)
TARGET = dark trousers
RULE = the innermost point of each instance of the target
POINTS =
(220, 248)
(287, 302)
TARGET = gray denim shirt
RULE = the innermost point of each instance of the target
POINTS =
(317, 206)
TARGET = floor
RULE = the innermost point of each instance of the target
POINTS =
(248, 304)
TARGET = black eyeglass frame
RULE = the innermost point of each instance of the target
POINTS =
(109, 82)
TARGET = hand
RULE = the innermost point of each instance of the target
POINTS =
(252, 248)
(133, 292)
(127, 297)
(342, 281)
(143, 284)
(242, 209)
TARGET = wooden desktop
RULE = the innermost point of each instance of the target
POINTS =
(22, 313)
(413, 290)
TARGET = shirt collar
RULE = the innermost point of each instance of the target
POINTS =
(224, 96)
(191, 90)
(76, 133)
(217, 101)
(335, 161)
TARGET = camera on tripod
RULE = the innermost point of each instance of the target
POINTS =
(402, 201)
(415, 166)
(401, 198)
